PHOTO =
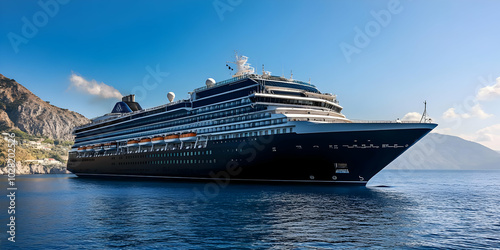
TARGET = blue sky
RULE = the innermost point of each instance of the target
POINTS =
(445, 52)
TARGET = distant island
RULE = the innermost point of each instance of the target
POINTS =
(43, 132)
(438, 151)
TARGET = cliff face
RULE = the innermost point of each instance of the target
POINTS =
(19, 108)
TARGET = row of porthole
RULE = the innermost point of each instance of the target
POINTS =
(190, 153)
(190, 161)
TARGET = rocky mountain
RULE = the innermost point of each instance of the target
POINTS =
(23, 110)
(438, 151)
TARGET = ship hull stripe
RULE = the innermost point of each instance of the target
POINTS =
(220, 179)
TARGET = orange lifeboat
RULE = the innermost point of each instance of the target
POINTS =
(132, 143)
(81, 149)
(109, 145)
(191, 136)
(171, 138)
(158, 140)
(89, 148)
(145, 141)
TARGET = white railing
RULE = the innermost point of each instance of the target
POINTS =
(382, 121)
(231, 80)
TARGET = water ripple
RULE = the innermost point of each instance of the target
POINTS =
(427, 210)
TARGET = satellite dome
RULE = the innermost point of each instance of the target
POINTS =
(210, 82)
(171, 96)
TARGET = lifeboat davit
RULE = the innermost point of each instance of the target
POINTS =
(132, 143)
(171, 138)
(145, 141)
(110, 145)
(158, 140)
(191, 136)
(98, 147)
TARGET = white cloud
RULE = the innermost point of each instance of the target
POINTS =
(92, 87)
(489, 133)
(475, 112)
(412, 116)
(489, 92)
(450, 114)
(489, 137)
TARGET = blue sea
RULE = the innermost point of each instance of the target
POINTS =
(398, 209)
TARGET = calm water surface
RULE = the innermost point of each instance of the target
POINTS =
(398, 209)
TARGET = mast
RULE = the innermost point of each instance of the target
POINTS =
(424, 115)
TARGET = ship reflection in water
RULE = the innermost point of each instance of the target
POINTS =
(419, 210)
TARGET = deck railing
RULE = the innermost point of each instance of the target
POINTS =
(382, 121)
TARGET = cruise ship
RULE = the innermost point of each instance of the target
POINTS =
(251, 127)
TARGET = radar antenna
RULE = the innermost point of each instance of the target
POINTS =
(242, 67)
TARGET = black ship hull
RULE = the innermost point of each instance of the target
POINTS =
(332, 157)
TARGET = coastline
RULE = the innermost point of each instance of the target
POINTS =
(27, 169)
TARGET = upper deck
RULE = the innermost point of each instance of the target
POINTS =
(239, 86)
